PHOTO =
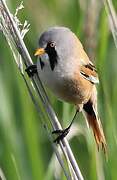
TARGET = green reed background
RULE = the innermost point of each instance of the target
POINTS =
(25, 151)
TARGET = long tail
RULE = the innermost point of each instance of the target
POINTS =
(94, 122)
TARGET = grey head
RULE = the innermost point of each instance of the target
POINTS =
(57, 34)
(59, 43)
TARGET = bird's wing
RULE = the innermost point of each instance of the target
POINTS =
(88, 71)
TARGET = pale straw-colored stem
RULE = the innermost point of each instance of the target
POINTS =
(20, 46)
(112, 17)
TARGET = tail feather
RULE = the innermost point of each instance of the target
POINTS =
(95, 123)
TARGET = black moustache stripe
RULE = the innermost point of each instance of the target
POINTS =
(52, 57)
(41, 63)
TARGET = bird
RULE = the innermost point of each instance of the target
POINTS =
(65, 68)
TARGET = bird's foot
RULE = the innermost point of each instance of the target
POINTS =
(61, 134)
(31, 70)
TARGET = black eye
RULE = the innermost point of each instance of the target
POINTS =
(51, 47)
(52, 44)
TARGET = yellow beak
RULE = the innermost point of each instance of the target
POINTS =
(39, 51)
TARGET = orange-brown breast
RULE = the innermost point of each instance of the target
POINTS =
(75, 91)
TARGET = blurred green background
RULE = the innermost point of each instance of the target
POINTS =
(25, 151)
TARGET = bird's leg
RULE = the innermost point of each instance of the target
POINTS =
(31, 70)
(62, 133)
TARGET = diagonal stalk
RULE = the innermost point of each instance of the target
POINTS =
(21, 48)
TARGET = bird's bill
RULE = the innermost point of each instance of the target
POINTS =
(39, 51)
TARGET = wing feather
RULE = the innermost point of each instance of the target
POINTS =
(89, 72)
